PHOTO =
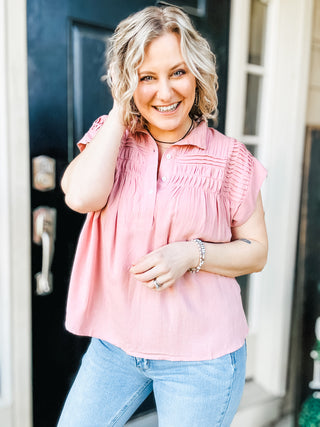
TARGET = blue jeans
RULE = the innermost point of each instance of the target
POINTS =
(111, 385)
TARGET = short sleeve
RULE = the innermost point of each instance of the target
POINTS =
(243, 181)
(87, 137)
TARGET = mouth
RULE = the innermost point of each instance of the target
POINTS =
(167, 108)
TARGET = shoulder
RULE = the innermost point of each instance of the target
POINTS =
(91, 133)
(240, 162)
(93, 130)
(96, 125)
(220, 145)
(244, 174)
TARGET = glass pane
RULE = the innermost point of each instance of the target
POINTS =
(252, 104)
(192, 3)
(90, 94)
(182, 3)
(244, 286)
(257, 32)
(252, 148)
(193, 7)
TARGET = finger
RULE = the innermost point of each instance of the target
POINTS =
(144, 264)
(164, 281)
(163, 287)
(151, 274)
(151, 285)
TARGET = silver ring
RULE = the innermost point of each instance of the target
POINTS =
(156, 284)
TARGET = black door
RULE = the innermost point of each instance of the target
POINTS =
(66, 41)
(306, 309)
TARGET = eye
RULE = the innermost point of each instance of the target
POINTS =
(146, 78)
(179, 73)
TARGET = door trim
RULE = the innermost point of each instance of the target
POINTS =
(15, 254)
(288, 45)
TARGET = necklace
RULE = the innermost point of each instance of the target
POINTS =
(173, 142)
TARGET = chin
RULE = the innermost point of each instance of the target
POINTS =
(168, 123)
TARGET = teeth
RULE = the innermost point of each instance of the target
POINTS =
(169, 108)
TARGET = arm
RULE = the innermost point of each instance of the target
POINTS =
(232, 259)
(88, 179)
(240, 257)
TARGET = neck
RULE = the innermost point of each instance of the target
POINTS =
(173, 142)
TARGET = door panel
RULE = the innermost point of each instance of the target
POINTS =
(86, 62)
(307, 292)
(66, 41)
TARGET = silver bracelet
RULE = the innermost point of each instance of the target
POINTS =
(202, 252)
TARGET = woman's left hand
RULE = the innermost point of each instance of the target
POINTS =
(166, 264)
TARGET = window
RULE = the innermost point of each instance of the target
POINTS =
(193, 7)
(266, 103)
(255, 68)
(246, 92)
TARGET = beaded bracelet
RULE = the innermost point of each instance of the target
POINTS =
(202, 252)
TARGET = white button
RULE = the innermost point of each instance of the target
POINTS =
(164, 178)
(150, 191)
(169, 156)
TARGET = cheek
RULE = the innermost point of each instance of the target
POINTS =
(188, 89)
(142, 96)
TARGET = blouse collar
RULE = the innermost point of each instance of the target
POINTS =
(197, 137)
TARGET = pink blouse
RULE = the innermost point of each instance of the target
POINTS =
(206, 184)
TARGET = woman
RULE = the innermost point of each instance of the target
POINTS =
(174, 215)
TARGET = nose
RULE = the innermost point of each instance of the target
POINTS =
(164, 90)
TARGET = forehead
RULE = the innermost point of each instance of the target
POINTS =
(162, 51)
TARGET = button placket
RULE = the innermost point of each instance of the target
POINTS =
(163, 167)
(164, 173)
(150, 186)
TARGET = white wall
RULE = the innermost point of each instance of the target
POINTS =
(15, 256)
(284, 131)
(281, 146)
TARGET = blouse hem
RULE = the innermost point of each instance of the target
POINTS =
(164, 356)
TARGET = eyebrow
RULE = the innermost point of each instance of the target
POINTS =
(172, 68)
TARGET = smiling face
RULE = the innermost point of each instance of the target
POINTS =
(166, 89)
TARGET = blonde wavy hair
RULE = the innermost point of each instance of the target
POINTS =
(125, 54)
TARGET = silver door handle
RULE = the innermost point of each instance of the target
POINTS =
(44, 233)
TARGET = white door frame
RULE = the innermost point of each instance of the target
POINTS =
(281, 146)
(15, 255)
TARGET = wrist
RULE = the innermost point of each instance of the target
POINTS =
(198, 255)
(193, 254)
(116, 114)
